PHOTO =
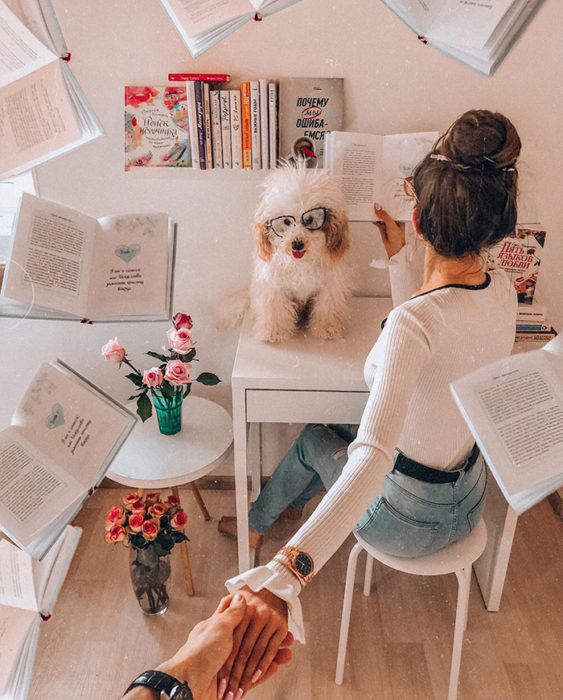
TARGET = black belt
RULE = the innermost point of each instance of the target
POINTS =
(408, 466)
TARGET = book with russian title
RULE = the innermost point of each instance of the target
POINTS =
(308, 109)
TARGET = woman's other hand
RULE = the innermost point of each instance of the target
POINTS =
(392, 233)
(259, 637)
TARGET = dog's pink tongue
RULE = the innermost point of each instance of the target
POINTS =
(298, 253)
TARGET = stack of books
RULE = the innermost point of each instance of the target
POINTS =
(532, 324)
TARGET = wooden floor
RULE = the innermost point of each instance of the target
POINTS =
(400, 638)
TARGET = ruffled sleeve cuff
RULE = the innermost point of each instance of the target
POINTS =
(279, 581)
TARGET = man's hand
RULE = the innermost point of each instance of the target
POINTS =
(392, 233)
(260, 642)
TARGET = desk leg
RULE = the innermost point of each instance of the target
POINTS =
(491, 567)
(241, 488)
(254, 458)
(185, 555)
(199, 500)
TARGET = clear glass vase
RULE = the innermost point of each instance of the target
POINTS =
(149, 575)
(168, 410)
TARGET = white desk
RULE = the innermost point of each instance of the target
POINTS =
(307, 380)
(152, 461)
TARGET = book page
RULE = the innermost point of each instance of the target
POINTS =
(50, 573)
(466, 23)
(21, 52)
(50, 256)
(515, 410)
(38, 119)
(33, 489)
(198, 17)
(356, 160)
(131, 266)
(16, 578)
(401, 153)
(15, 627)
(73, 424)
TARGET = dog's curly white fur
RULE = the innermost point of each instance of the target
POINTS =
(302, 276)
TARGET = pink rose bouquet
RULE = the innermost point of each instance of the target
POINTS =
(147, 522)
(171, 376)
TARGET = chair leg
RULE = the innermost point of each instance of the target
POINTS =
(199, 500)
(368, 574)
(464, 583)
(346, 610)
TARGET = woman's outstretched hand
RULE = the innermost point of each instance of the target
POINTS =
(259, 641)
(392, 233)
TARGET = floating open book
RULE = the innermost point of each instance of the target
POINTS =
(28, 592)
(204, 23)
(67, 265)
(514, 408)
(372, 168)
(479, 34)
(64, 434)
(45, 113)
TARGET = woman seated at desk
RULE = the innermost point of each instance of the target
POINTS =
(412, 446)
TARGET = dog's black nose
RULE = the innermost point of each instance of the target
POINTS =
(297, 245)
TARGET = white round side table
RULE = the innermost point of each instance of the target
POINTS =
(150, 461)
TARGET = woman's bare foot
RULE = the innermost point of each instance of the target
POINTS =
(228, 526)
(291, 513)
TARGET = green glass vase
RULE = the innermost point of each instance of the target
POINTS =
(168, 411)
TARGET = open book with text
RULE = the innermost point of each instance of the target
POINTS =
(478, 33)
(67, 265)
(44, 111)
(203, 23)
(28, 592)
(372, 168)
(514, 408)
(64, 434)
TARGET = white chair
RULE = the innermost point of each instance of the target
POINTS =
(455, 559)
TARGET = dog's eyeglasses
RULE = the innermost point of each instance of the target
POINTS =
(313, 219)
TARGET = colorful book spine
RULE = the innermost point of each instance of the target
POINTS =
(215, 102)
(264, 131)
(273, 124)
(236, 128)
(192, 122)
(541, 336)
(207, 123)
(255, 124)
(200, 120)
(207, 77)
(246, 126)
(532, 327)
(225, 121)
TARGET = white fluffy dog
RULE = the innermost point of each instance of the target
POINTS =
(301, 272)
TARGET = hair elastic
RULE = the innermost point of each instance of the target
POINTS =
(462, 166)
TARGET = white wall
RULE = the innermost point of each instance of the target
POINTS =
(393, 83)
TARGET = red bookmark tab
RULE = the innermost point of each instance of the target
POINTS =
(45, 617)
(87, 320)
(422, 39)
(257, 17)
(66, 57)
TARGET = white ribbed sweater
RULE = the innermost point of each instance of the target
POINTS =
(428, 341)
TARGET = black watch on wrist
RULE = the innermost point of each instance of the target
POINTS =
(163, 683)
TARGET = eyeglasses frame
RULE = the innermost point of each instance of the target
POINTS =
(290, 216)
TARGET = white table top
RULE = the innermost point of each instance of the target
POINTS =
(149, 459)
(307, 363)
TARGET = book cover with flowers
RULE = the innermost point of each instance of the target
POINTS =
(156, 127)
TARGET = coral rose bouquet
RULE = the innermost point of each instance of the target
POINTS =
(168, 382)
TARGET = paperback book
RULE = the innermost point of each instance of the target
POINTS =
(67, 265)
(519, 255)
(308, 109)
(156, 127)
(63, 436)
(479, 34)
(514, 408)
(44, 112)
(204, 23)
(372, 168)
(28, 592)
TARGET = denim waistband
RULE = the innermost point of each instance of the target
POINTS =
(408, 466)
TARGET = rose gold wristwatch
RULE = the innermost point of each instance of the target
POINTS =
(298, 562)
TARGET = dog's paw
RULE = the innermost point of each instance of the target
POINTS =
(329, 332)
(273, 337)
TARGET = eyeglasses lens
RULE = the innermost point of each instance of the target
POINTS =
(314, 218)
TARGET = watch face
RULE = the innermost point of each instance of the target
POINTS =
(180, 692)
(303, 564)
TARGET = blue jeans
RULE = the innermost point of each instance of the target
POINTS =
(411, 518)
